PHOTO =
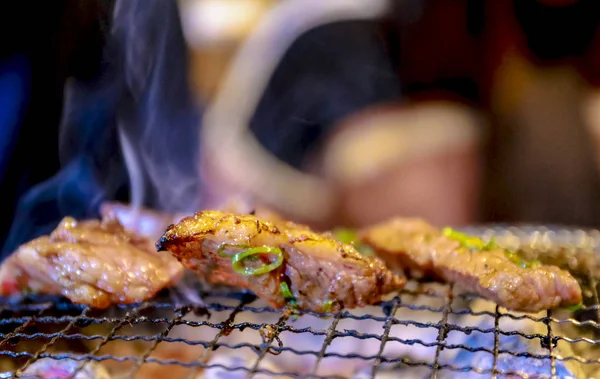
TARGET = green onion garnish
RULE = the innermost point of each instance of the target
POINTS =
(345, 235)
(327, 306)
(514, 258)
(469, 242)
(285, 290)
(575, 307)
(238, 259)
(349, 236)
(475, 243)
(288, 296)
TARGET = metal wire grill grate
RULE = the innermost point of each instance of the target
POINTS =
(426, 330)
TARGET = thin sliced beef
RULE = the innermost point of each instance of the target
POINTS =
(419, 249)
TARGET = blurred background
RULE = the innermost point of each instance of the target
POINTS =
(333, 113)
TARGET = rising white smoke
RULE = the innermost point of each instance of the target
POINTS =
(158, 133)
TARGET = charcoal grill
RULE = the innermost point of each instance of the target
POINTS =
(426, 330)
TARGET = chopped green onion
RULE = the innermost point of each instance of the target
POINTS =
(345, 235)
(237, 260)
(285, 290)
(288, 296)
(514, 258)
(469, 242)
(225, 246)
(575, 307)
(349, 236)
(327, 306)
(474, 243)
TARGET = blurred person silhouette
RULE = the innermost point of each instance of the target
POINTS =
(369, 114)
(456, 111)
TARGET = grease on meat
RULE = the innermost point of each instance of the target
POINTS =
(414, 246)
(322, 274)
(97, 263)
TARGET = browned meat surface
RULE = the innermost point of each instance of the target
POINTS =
(321, 273)
(416, 247)
(97, 263)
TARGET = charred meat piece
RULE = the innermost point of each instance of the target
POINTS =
(279, 264)
(97, 263)
(418, 248)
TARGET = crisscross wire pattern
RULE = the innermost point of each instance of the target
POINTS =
(426, 330)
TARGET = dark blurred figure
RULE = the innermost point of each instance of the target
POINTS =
(527, 66)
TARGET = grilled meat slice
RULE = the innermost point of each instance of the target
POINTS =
(96, 263)
(418, 248)
(321, 273)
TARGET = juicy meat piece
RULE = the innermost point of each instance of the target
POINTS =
(96, 263)
(414, 246)
(321, 273)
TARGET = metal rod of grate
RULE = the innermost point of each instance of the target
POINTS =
(32, 330)
(133, 317)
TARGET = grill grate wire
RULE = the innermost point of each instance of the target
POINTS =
(496, 342)
(34, 330)
(443, 332)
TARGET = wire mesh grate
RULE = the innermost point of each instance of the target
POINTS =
(426, 330)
